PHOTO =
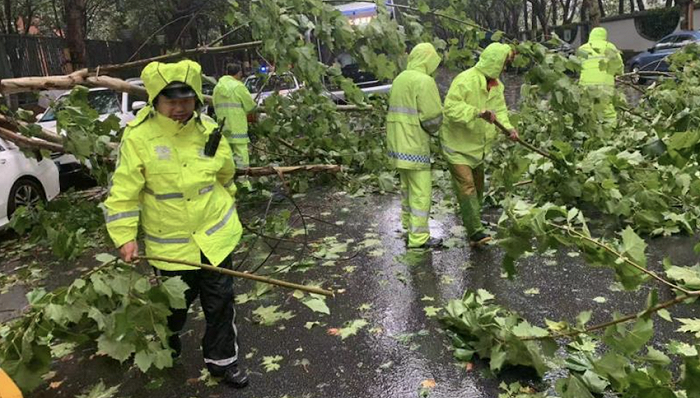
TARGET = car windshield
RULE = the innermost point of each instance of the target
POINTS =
(276, 83)
(105, 102)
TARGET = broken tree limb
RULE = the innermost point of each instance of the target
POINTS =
(42, 134)
(29, 143)
(271, 170)
(532, 148)
(179, 54)
(237, 274)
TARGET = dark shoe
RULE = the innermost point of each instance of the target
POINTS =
(235, 377)
(175, 345)
(479, 239)
(432, 243)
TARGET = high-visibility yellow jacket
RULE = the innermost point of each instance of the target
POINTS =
(596, 53)
(464, 137)
(8, 389)
(233, 101)
(415, 110)
(182, 199)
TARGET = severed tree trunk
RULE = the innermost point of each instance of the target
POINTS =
(75, 17)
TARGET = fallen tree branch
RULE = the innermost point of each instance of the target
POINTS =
(29, 143)
(270, 170)
(237, 274)
(43, 133)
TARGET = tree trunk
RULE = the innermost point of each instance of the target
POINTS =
(525, 16)
(621, 7)
(640, 4)
(555, 18)
(594, 11)
(75, 32)
(601, 8)
(8, 17)
(632, 6)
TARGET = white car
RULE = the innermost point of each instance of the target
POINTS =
(261, 87)
(24, 181)
(106, 102)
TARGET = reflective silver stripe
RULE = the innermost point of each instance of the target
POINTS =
(436, 120)
(238, 136)
(448, 149)
(221, 362)
(165, 196)
(419, 213)
(229, 183)
(403, 109)
(167, 241)
(119, 216)
(221, 223)
(432, 126)
(206, 189)
(417, 230)
(228, 105)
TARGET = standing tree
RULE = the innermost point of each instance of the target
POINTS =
(76, 20)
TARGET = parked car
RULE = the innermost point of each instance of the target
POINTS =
(24, 181)
(656, 58)
(287, 83)
(106, 102)
(262, 86)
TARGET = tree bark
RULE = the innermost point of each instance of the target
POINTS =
(525, 15)
(632, 6)
(621, 7)
(601, 8)
(75, 32)
(8, 17)
(640, 5)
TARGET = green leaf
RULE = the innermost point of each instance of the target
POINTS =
(143, 360)
(690, 325)
(317, 305)
(628, 341)
(431, 311)
(656, 357)
(524, 329)
(105, 258)
(682, 349)
(583, 318)
(271, 363)
(593, 382)
(114, 348)
(573, 387)
(175, 288)
(664, 314)
(99, 390)
(268, 316)
(351, 328)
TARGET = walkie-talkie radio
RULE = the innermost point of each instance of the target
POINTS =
(214, 139)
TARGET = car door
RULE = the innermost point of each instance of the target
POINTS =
(655, 61)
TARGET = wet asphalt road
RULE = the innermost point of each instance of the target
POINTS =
(380, 361)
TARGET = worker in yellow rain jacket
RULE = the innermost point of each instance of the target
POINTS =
(602, 61)
(474, 101)
(415, 113)
(8, 389)
(233, 102)
(175, 180)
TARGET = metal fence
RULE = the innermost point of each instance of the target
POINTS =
(27, 55)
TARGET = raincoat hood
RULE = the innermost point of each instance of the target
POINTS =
(493, 59)
(598, 34)
(157, 75)
(598, 39)
(423, 58)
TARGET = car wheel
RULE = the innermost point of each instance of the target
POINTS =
(636, 78)
(24, 192)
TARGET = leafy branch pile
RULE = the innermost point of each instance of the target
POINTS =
(114, 305)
